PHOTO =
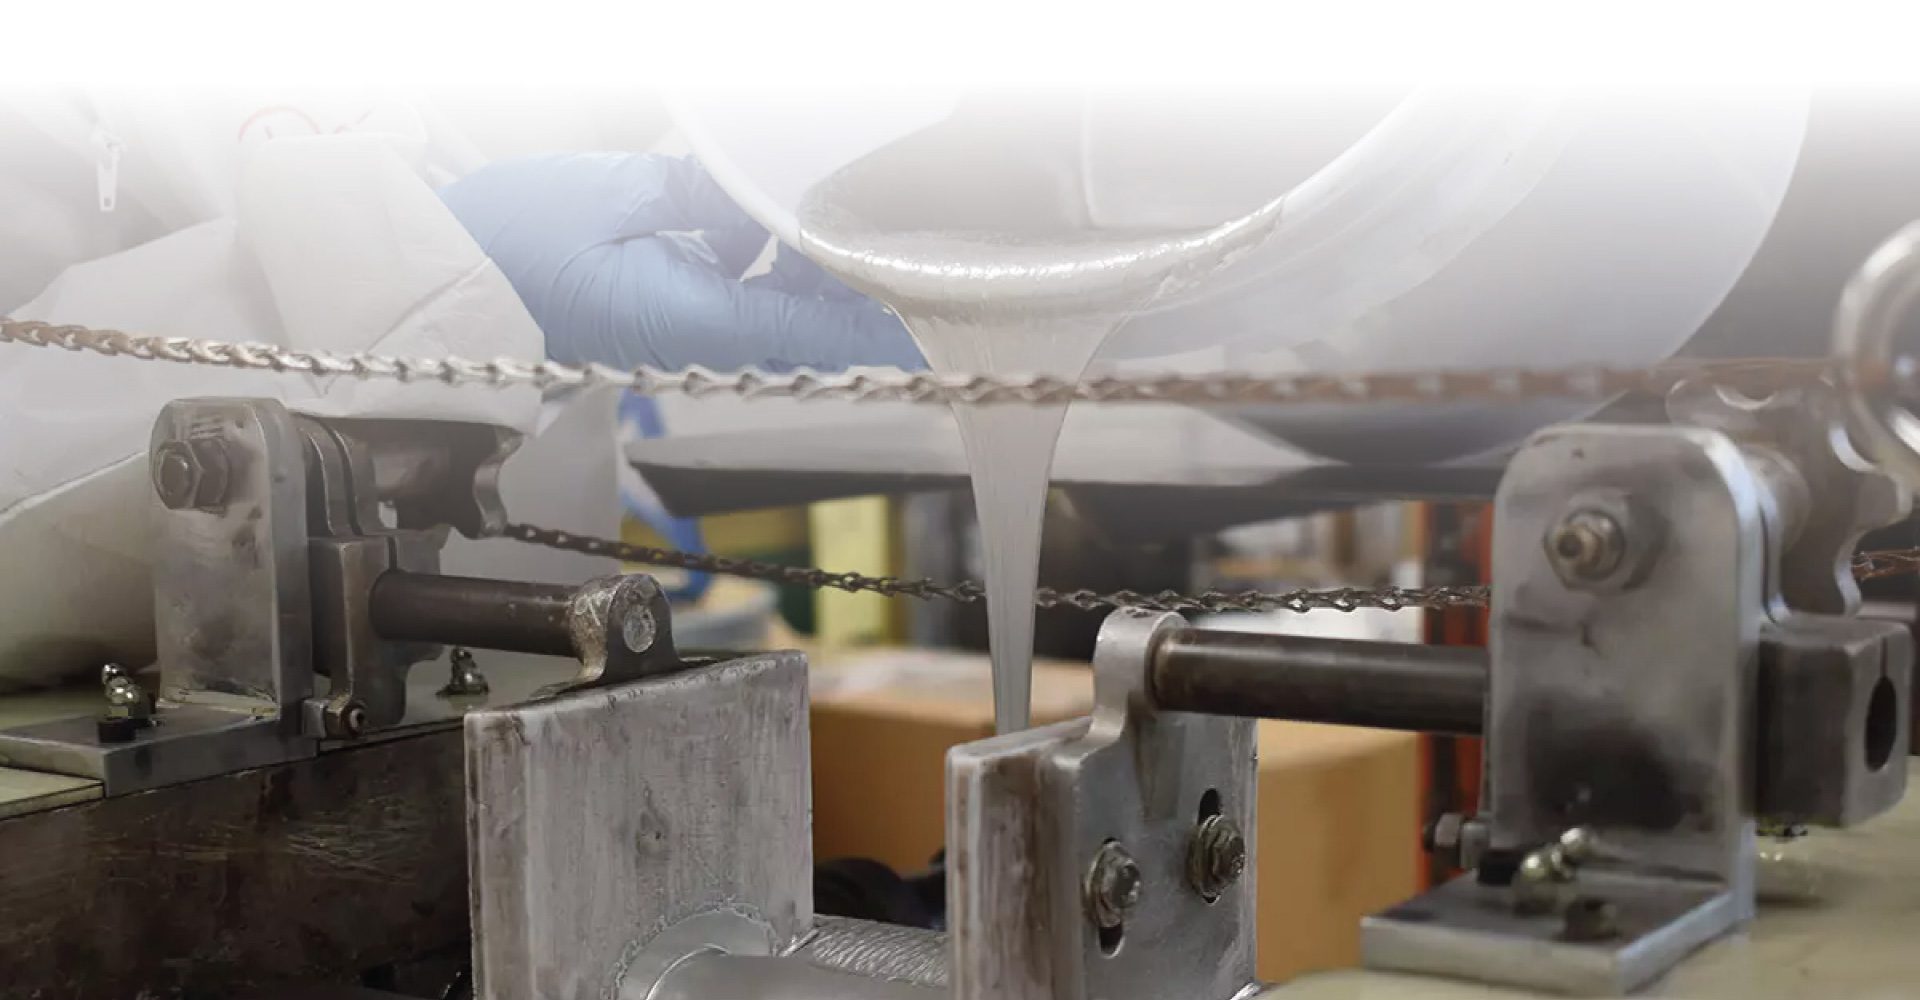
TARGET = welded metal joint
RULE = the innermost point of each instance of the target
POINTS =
(621, 628)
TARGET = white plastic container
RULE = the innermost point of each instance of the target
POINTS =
(1432, 228)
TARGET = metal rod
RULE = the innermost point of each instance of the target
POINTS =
(745, 977)
(1383, 685)
(877, 951)
(464, 611)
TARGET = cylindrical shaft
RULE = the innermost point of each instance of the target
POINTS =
(463, 611)
(741, 977)
(1383, 685)
(879, 951)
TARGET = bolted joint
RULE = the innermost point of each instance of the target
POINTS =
(1112, 886)
(1586, 545)
(1544, 873)
(191, 474)
(1216, 857)
(344, 719)
(464, 679)
(1602, 542)
(1457, 840)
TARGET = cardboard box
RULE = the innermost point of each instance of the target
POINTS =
(1339, 809)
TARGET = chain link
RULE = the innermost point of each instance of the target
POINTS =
(1757, 375)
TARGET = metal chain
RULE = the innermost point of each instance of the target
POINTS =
(1496, 385)
(969, 591)
(1866, 566)
(1759, 375)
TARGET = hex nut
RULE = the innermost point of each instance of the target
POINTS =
(1586, 546)
(191, 474)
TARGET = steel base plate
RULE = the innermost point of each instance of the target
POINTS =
(1466, 930)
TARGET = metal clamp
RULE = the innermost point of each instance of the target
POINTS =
(1137, 823)
(1593, 725)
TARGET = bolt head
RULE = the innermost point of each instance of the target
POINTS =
(1587, 545)
(1578, 844)
(1113, 887)
(637, 629)
(176, 475)
(1535, 868)
(190, 474)
(1443, 834)
(1216, 857)
(122, 692)
(1229, 855)
(348, 720)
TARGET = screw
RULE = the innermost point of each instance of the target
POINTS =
(123, 693)
(1590, 918)
(1112, 886)
(1586, 545)
(190, 474)
(1578, 844)
(464, 678)
(1216, 856)
(1537, 882)
(126, 699)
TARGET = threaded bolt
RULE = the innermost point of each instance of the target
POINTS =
(1216, 857)
(1113, 886)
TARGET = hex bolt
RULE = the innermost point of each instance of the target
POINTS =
(1590, 918)
(346, 720)
(175, 474)
(126, 699)
(1586, 546)
(464, 678)
(191, 474)
(123, 695)
(1216, 856)
(1442, 834)
(1457, 840)
(1112, 886)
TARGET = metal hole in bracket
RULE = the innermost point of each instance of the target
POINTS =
(1883, 724)
(1209, 805)
(1111, 938)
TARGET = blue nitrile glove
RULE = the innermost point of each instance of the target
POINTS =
(632, 259)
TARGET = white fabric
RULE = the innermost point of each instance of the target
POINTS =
(324, 241)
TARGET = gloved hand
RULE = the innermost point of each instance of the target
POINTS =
(634, 259)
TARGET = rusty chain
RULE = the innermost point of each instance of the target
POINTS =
(1757, 375)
